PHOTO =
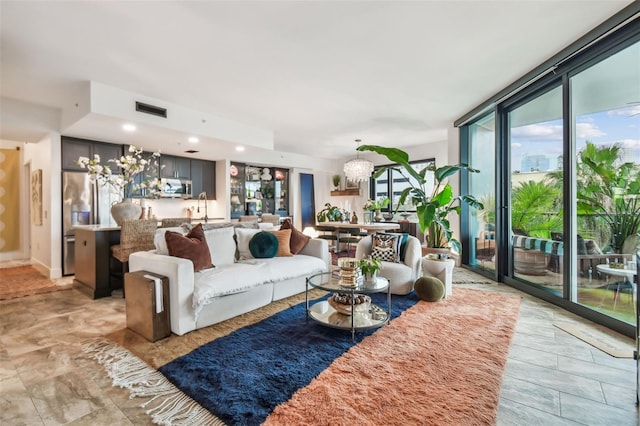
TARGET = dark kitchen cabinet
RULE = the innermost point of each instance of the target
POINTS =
(203, 177)
(175, 167)
(74, 148)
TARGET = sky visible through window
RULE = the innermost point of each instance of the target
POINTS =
(541, 143)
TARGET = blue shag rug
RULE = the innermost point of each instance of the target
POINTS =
(243, 376)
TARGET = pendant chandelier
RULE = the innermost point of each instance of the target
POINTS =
(358, 169)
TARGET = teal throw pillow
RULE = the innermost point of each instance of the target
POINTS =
(263, 245)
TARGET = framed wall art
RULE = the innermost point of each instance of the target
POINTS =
(36, 197)
(351, 184)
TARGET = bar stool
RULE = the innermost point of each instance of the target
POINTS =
(135, 235)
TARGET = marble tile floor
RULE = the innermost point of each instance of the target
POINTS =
(551, 378)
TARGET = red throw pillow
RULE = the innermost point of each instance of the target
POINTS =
(298, 240)
(192, 246)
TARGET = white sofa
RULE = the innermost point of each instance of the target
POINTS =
(233, 287)
(401, 275)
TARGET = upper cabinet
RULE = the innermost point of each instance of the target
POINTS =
(203, 177)
(73, 148)
(202, 173)
(175, 167)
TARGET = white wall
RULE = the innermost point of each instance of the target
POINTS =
(46, 239)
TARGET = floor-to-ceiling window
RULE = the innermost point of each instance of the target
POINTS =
(560, 179)
(482, 226)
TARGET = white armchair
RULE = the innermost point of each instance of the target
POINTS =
(402, 275)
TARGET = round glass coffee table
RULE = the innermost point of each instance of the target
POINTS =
(347, 314)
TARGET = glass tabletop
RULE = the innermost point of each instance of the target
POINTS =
(330, 281)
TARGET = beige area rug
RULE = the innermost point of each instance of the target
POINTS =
(437, 364)
(614, 344)
(24, 281)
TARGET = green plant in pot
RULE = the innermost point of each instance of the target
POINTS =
(336, 182)
(369, 267)
(329, 213)
(434, 207)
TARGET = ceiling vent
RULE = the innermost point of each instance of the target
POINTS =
(151, 109)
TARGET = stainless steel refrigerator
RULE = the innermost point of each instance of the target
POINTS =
(83, 203)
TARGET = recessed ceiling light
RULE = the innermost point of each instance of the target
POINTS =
(129, 127)
(193, 139)
(239, 148)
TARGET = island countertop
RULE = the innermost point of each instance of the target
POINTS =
(100, 227)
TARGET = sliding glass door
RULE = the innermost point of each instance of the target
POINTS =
(536, 157)
(605, 129)
(560, 180)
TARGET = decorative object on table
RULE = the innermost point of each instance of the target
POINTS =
(350, 273)
(342, 303)
(329, 213)
(375, 206)
(369, 267)
(387, 216)
(336, 182)
(358, 169)
(432, 207)
(137, 172)
(354, 217)
(430, 289)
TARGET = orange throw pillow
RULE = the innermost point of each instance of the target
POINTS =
(192, 246)
(298, 240)
(283, 236)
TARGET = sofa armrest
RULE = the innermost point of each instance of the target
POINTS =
(319, 248)
(413, 256)
(181, 285)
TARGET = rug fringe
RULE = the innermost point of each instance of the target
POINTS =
(173, 407)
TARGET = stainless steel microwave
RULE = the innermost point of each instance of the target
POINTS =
(175, 188)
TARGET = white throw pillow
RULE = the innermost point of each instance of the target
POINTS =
(243, 236)
(221, 245)
(161, 243)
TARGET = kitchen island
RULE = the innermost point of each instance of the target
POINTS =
(92, 261)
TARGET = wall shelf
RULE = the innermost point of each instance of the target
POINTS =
(345, 192)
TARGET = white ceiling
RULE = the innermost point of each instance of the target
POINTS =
(318, 74)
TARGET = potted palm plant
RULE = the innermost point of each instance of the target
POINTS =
(432, 208)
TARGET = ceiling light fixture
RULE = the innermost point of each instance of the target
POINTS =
(239, 148)
(358, 169)
(129, 127)
(193, 139)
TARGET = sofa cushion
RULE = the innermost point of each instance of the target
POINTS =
(283, 237)
(243, 236)
(221, 244)
(298, 240)
(384, 247)
(192, 246)
(263, 245)
(159, 241)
